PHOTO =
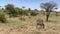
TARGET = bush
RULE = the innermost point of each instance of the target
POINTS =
(23, 12)
(2, 18)
(32, 13)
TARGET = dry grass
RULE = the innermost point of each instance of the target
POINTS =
(16, 26)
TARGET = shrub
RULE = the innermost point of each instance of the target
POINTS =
(23, 12)
(2, 18)
(32, 13)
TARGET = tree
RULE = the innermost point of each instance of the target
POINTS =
(35, 9)
(2, 8)
(10, 9)
(17, 10)
(29, 9)
(48, 6)
(23, 7)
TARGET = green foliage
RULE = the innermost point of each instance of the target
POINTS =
(15, 11)
(23, 12)
(32, 13)
(10, 9)
(2, 18)
(19, 11)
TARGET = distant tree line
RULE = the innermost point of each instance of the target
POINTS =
(13, 11)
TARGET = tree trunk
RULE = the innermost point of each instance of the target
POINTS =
(47, 15)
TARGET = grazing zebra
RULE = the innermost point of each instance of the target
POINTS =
(40, 23)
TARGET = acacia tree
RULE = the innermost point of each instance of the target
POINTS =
(48, 6)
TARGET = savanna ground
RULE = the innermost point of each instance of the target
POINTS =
(16, 26)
